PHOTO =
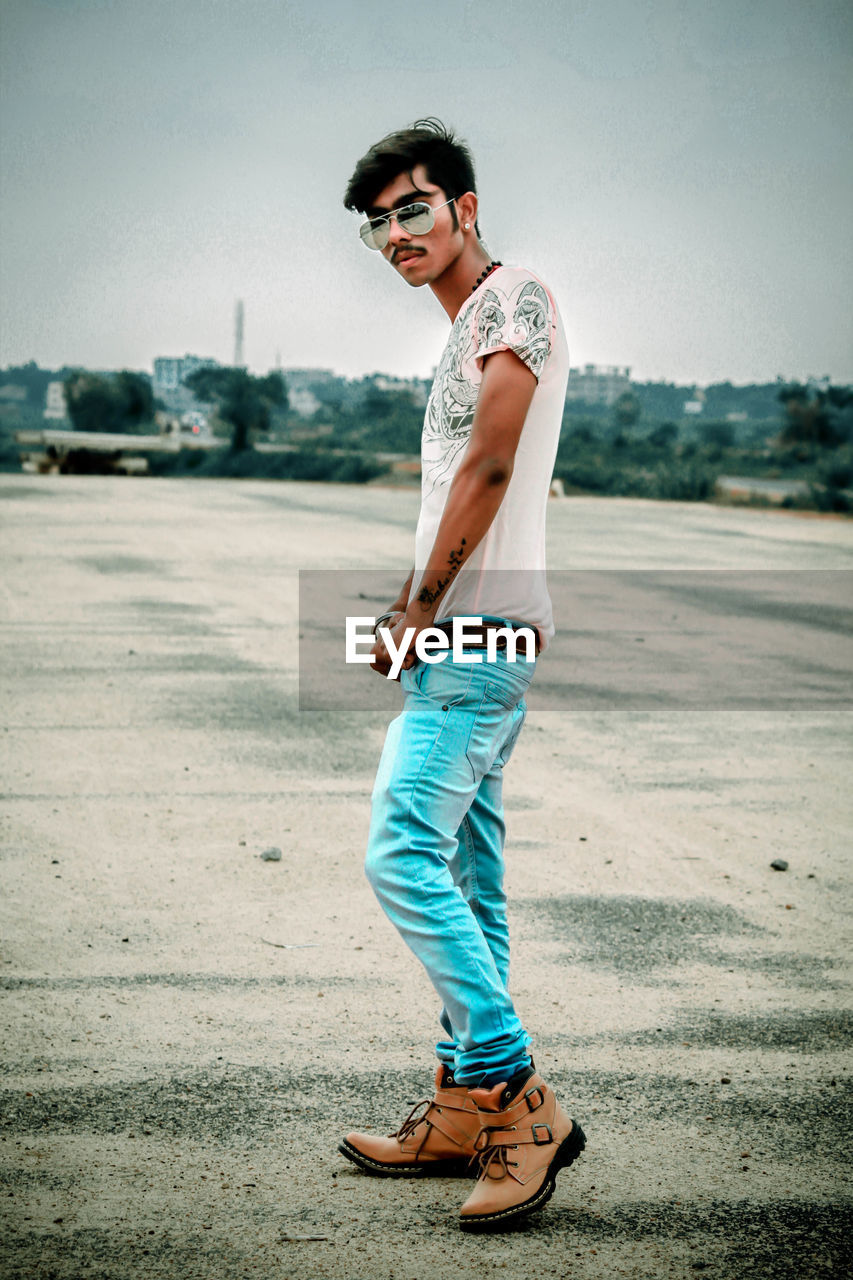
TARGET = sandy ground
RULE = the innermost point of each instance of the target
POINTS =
(689, 1003)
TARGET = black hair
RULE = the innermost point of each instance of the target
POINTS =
(447, 161)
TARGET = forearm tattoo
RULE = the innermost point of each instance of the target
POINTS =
(427, 596)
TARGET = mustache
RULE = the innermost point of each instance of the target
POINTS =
(405, 253)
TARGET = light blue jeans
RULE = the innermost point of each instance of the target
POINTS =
(435, 850)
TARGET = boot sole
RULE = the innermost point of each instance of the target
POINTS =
(567, 1153)
(461, 1168)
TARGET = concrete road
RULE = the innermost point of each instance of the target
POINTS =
(689, 1003)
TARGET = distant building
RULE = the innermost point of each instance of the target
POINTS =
(309, 389)
(300, 398)
(55, 404)
(168, 381)
(302, 401)
(13, 398)
(416, 387)
(302, 377)
(598, 384)
(696, 403)
(12, 395)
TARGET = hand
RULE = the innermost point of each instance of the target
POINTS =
(382, 660)
(381, 663)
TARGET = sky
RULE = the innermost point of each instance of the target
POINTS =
(677, 171)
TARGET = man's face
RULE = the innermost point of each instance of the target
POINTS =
(418, 259)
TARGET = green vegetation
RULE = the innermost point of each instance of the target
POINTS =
(23, 389)
(9, 459)
(243, 402)
(299, 463)
(809, 439)
(817, 418)
(651, 442)
(121, 402)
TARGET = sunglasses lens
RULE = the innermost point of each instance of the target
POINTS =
(374, 234)
(417, 218)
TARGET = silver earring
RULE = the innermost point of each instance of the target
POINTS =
(467, 226)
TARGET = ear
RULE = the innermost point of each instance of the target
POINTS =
(466, 208)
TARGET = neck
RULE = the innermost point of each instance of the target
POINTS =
(454, 285)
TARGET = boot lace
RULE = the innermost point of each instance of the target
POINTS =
(417, 1115)
(494, 1162)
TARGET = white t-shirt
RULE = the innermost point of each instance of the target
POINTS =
(505, 575)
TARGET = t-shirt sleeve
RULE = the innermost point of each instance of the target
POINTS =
(514, 313)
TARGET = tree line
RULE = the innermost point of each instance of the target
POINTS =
(625, 447)
(124, 402)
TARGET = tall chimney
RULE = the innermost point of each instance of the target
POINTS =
(238, 335)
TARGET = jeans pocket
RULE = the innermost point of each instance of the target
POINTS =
(508, 683)
(446, 683)
(506, 695)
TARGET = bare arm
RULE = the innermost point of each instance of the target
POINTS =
(392, 615)
(399, 605)
(476, 492)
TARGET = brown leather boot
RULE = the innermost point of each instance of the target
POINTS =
(525, 1140)
(437, 1137)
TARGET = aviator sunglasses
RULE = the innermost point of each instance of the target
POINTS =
(416, 219)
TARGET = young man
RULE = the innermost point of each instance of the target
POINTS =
(435, 852)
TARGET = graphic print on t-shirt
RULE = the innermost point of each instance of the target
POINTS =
(480, 328)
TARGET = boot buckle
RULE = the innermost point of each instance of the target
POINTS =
(542, 1142)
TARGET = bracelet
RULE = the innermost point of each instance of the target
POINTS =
(384, 618)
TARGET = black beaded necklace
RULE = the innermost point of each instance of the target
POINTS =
(488, 271)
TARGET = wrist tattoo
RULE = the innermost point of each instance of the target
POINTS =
(428, 595)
